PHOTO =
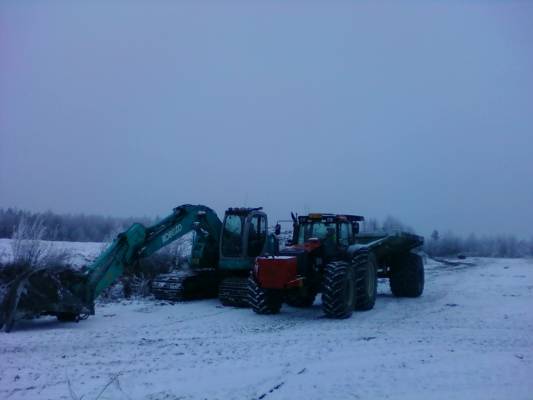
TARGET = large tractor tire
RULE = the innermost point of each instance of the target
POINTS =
(366, 280)
(407, 275)
(338, 292)
(263, 301)
(302, 298)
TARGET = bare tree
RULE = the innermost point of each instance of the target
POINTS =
(27, 243)
(370, 225)
(28, 246)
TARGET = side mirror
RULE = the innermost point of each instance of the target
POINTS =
(277, 229)
(355, 228)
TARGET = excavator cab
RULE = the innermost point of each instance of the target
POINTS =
(244, 233)
(244, 237)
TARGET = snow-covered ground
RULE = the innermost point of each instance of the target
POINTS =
(468, 337)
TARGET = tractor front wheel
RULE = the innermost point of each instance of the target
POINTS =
(366, 280)
(263, 301)
(338, 292)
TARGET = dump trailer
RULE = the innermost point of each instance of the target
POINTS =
(329, 255)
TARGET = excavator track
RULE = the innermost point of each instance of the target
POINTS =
(185, 285)
(233, 291)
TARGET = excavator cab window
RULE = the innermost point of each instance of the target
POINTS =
(257, 234)
(232, 236)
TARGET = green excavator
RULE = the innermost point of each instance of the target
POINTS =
(243, 237)
(221, 258)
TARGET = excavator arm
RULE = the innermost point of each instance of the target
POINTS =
(139, 242)
(68, 294)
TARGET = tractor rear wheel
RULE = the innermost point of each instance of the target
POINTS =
(338, 292)
(407, 275)
(366, 280)
(263, 301)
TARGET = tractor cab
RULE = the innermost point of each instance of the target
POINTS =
(244, 237)
(330, 231)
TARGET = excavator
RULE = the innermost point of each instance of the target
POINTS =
(221, 258)
(244, 236)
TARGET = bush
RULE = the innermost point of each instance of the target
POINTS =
(30, 250)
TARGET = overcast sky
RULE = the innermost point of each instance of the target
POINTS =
(423, 111)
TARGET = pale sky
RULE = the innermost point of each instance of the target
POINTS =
(422, 110)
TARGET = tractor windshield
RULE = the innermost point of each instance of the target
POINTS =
(317, 230)
(232, 236)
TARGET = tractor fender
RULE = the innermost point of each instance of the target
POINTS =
(355, 249)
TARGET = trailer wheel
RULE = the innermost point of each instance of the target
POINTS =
(338, 292)
(407, 275)
(366, 280)
(303, 297)
(263, 301)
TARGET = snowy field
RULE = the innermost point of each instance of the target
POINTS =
(78, 253)
(468, 337)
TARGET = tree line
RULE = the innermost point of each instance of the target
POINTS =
(67, 227)
(451, 244)
(95, 228)
(438, 245)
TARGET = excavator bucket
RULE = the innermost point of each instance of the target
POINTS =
(32, 292)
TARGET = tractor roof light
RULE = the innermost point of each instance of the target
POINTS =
(243, 210)
(329, 218)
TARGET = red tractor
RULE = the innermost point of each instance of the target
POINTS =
(329, 255)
